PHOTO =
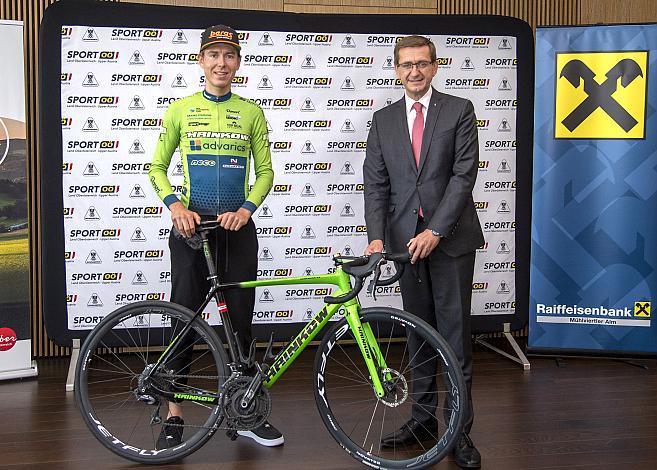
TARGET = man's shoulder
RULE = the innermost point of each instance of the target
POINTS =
(246, 103)
(448, 99)
(390, 109)
(181, 103)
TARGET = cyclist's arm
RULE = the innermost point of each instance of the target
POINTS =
(261, 163)
(182, 218)
(166, 146)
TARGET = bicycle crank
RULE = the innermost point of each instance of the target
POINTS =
(241, 414)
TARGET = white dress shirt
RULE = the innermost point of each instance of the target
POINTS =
(410, 112)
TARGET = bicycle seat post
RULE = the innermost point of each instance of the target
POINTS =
(212, 270)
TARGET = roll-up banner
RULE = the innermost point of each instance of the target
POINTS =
(594, 239)
(318, 85)
(15, 344)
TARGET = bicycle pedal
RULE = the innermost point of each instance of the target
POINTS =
(232, 434)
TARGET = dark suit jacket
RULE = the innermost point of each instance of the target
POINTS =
(449, 161)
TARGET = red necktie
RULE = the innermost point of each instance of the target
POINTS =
(418, 129)
(416, 140)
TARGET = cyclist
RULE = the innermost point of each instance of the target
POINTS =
(218, 133)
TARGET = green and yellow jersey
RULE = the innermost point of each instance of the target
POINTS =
(216, 136)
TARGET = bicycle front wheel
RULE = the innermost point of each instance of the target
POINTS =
(111, 372)
(430, 389)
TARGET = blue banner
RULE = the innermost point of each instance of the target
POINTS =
(594, 236)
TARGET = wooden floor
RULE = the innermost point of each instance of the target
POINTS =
(584, 414)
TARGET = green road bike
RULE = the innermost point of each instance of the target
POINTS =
(363, 373)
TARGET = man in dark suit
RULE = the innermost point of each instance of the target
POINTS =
(419, 171)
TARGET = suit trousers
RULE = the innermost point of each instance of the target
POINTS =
(236, 260)
(438, 290)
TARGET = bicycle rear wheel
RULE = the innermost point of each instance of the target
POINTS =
(110, 369)
(358, 420)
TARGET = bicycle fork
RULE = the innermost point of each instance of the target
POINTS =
(369, 347)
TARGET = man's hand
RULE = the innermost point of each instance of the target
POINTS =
(375, 246)
(183, 219)
(234, 220)
(422, 245)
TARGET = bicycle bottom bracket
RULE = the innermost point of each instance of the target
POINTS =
(243, 418)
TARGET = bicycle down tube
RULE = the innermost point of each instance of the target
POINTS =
(366, 343)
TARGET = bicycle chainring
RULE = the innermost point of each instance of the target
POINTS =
(237, 417)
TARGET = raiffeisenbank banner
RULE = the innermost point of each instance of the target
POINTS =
(594, 236)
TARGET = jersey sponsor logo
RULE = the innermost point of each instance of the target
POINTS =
(217, 135)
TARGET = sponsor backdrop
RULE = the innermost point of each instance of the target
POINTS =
(318, 90)
(15, 346)
(593, 248)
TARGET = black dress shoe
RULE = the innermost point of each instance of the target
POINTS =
(411, 433)
(466, 454)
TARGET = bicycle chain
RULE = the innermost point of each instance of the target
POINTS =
(168, 376)
(178, 376)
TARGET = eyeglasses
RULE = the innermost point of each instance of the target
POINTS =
(421, 65)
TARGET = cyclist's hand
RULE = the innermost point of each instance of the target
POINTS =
(234, 220)
(422, 245)
(375, 246)
(183, 219)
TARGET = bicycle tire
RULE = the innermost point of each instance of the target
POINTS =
(106, 378)
(339, 366)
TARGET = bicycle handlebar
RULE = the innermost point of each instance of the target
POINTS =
(362, 266)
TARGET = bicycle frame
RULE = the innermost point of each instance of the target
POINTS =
(367, 344)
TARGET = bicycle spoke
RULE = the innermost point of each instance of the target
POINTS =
(117, 357)
(352, 362)
(346, 378)
(376, 406)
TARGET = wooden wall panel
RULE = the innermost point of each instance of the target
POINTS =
(267, 5)
(613, 11)
(535, 12)
(356, 9)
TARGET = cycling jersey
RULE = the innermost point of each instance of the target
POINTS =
(216, 136)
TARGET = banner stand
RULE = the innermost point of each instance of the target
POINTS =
(32, 371)
(593, 276)
(15, 343)
(520, 357)
(489, 55)
(72, 366)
